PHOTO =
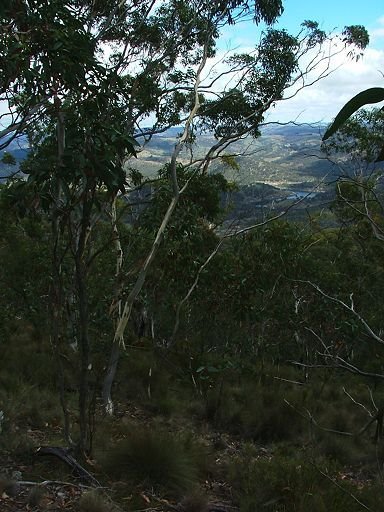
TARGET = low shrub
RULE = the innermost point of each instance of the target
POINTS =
(289, 484)
(92, 501)
(30, 406)
(345, 450)
(156, 458)
(256, 411)
(27, 359)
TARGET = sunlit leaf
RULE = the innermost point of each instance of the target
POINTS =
(373, 95)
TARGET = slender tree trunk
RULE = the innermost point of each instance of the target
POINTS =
(56, 309)
(115, 312)
(57, 290)
(125, 313)
(83, 328)
(84, 354)
(110, 377)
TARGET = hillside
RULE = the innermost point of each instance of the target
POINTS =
(282, 166)
(286, 157)
(19, 150)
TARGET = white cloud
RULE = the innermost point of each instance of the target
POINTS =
(323, 100)
(376, 33)
(5, 116)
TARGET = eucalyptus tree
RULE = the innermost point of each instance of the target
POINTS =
(83, 80)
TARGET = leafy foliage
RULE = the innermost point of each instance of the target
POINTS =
(373, 95)
(360, 137)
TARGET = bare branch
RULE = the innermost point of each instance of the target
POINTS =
(345, 491)
(349, 308)
(357, 403)
(17, 127)
(309, 416)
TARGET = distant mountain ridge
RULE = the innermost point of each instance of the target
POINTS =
(19, 150)
(283, 156)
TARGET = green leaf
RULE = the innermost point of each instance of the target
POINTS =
(373, 95)
(8, 158)
(380, 157)
(57, 45)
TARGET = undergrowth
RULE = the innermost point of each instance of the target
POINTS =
(295, 484)
(166, 446)
(156, 458)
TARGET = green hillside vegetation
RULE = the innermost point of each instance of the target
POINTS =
(251, 405)
(284, 156)
(267, 173)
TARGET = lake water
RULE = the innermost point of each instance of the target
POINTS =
(300, 194)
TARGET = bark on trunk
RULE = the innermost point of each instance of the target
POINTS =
(115, 312)
(82, 296)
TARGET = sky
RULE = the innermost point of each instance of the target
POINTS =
(322, 101)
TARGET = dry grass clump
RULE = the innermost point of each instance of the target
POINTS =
(294, 484)
(37, 496)
(8, 486)
(194, 502)
(92, 501)
(152, 457)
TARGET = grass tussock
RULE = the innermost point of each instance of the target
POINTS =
(8, 486)
(282, 484)
(157, 459)
(27, 358)
(92, 501)
(194, 502)
(36, 497)
(30, 406)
